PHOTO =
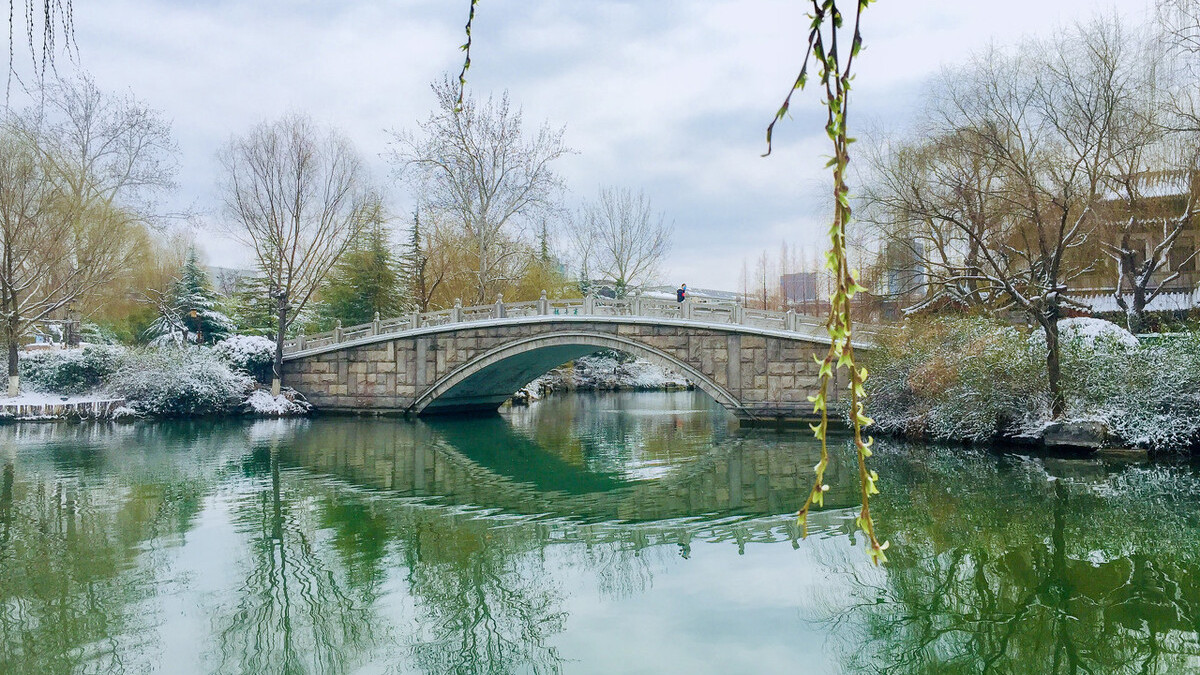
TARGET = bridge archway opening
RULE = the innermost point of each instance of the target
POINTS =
(486, 382)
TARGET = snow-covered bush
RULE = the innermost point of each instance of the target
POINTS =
(74, 371)
(287, 404)
(1088, 332)
(607, 371)
(1147, 395)
(191, 382)
(971, 379)
(250, 354)
(955, 379)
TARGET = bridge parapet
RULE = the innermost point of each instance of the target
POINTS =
(695, 311)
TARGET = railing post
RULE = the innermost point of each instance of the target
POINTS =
(456, 313)
(635, 304)
(685, 309)
(543, 305)
(375, 325)
(789, 320)
(414, 322)
(300, 341)
(589, 305)
(498, 312)
(337, 331)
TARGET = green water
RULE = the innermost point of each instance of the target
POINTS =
(630, 533)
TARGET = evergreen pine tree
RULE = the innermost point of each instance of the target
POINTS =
(254, 307)
(366, 280)
(544, 247)
(188, 311)
(413, 268)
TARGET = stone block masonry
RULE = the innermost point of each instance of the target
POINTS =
(759, 375)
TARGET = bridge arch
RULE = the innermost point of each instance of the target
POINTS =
(489, 379)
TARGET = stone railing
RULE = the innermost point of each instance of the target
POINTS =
(698, 311)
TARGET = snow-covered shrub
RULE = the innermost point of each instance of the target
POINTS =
(189, 382)
(250, 354)
(1089, 332)
(287, 404)
(96, 334)
(608, 371)
(74, 371)
(955, 379)
(970, 379)
(1147, 395)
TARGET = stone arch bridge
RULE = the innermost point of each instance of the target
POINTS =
(757, 364)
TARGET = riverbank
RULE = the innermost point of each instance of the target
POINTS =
(971, 380)
(108, 382)
(36, 407)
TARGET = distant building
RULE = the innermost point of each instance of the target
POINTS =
(1163, 194)
(799, 288)
(904, 276)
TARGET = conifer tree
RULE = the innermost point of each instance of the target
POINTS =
(420, 281)
(254, 308)
(188, 312)
(366, 280)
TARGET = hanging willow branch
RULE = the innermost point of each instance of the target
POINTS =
(55, 18)
(824, 31)
(466, 48)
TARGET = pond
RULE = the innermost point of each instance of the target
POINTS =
(611, 533)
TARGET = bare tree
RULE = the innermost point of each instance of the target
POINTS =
(110, 157)
(1040, 125)
(935, 203)
(108, 151)
(1179, 49)
(1152, 202)
(48, 259)
(472, 164)
(622, 238)
(293, 194)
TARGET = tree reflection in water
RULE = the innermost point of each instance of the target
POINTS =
(1002, 567)
(296, 611)
(488, 604)
(80, 553)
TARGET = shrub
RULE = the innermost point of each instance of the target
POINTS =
(190, 382)
(250, 354)
(1148, 395)
(971, 379)
(76, 371)
(955, 379)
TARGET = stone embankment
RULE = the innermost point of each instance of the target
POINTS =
(38, 407)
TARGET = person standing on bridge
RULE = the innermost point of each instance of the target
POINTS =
(681, 293)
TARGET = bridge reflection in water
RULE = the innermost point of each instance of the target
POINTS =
(503, 462)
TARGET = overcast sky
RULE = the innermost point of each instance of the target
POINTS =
(667, 96)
